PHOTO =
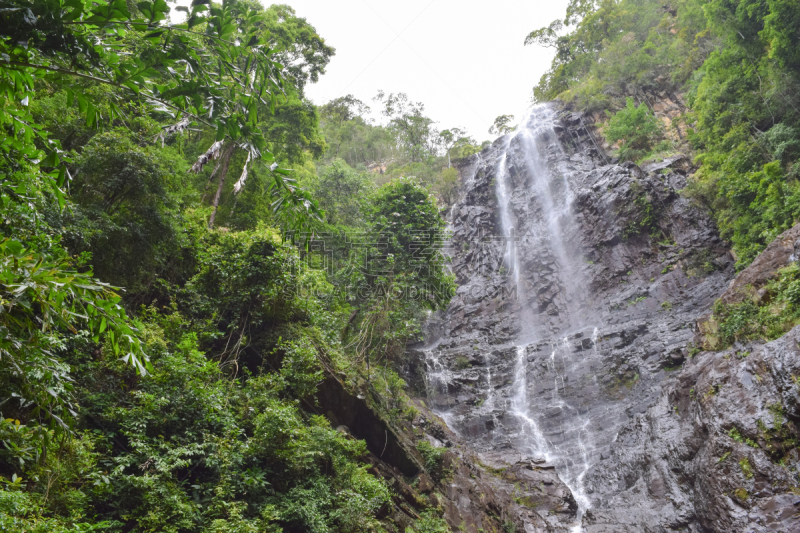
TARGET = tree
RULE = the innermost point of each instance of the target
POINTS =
(635, 128)
(339, 110)
(340, 191)
(449, 138)
(414, 131)
(403, 271)
(466, 146)
(502, 125)
(297, 44)
(214, 69)
(124, 197)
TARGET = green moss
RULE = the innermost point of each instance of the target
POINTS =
(700, 264)
(781, 438)
(747, 470)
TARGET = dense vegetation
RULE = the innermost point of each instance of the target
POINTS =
(737, 64)
(757, 315)
(172, 294)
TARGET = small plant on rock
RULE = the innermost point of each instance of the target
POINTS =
(635, 128)
(433, 458)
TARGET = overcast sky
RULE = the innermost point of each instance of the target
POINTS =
(464, 60)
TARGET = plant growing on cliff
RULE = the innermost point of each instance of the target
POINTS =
(781, 437)
(642, 213)
(635, 128)
(747, 469)
(434, 459)
(765, 318)
(429, 522)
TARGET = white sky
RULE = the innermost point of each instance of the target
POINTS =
(464, 60)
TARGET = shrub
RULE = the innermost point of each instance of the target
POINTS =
(429, 523)
(433, 458)
(635, 128)
(749, 320)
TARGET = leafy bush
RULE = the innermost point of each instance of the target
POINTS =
(642, 213)
(42, 304)
(635, 128)
(340, 191)
(429, 523)
(433, 457)
(748, 320)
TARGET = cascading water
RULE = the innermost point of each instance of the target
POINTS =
(546, 222)
(539, 274)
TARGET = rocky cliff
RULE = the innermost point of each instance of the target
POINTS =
(717, 451)
(580, 281)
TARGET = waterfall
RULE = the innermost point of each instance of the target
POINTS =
(510, 258)
(520, 407)
(549, 223)
(536, 391)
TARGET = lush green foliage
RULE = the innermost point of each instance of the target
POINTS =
(636, 130)
(750, 320)
(430, 523)
(184, 400)
(434, 458)
(409, 145)
(502, 125)
(39, 299)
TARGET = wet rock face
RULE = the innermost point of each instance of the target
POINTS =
(716, 452)
(579, 285)
(475, 492)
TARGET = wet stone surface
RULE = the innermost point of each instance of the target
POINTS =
(579, 286)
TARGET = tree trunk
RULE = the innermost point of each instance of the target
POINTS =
(223, 171)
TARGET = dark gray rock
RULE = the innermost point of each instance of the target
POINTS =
(551, 346)
(717, 451)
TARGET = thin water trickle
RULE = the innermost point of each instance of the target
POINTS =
(510, 256)
(520, 407)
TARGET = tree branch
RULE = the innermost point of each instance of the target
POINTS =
(112, 83)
